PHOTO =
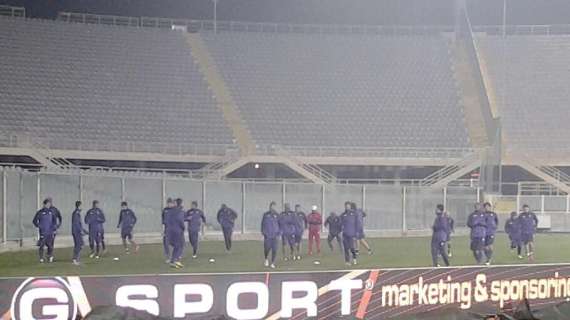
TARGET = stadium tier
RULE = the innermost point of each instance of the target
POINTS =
(342, 89)
(533, 102)
(78, 82)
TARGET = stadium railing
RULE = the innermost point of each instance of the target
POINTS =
(12, 11)
(538, 188)
(379, 152)
(547, 29)
(210, 25)
(120, 146)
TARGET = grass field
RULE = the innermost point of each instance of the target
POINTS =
(248, 256)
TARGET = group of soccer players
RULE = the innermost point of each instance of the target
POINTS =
(484, 222)
(347, 229)
(48, 220)
(288, 226)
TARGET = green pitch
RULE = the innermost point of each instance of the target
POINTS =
(248, 256)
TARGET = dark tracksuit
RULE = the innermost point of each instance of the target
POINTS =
(46, 222)
(288, 226)
(528, 223)
(335, 227)
(478, 225)
(165, 246)
(127, 221)
(77, 231)
(451, 223)
(360, 215)
(492, 223)
(350, 229)
(300, 226)
(174, 230)
(226, 218)
(271, 231)
(194, 217)
(58, 218)
(439, 237)
(513, 229)
(95, 218)
(451, 230)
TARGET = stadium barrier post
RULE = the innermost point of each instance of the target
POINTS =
(478, 194)
(243, 211)
(20, 200)
(38, 190)
(203, 204)
(163, 195)
(404, 226)
(4, 206)
(283, 194)
(323, 203)
(123, 196)
(568, 203)
(518, 201)
(542, 204)
(80, 186)
(445, 197)
(363, 197)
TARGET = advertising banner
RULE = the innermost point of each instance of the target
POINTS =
(361, 294)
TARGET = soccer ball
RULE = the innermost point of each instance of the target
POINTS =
(212, 260)
(116, 258)
(316, 262)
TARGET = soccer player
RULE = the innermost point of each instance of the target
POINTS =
(287, 225)
(127, 221)
(271, 231)
(46, 222)
(491, 223)
(174, 230)
(451, 230)
(334, 224)
(478, 225)
(528, 223)
(194, 217)
(165, 244)
(360, 236)
(439, 237)
(95, 218)
(58, 217)
(315, 221)
(226, 218)
(77, 231)
(300, 226)
(513, 229)
(350, 229)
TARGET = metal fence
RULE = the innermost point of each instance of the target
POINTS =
(390, 207)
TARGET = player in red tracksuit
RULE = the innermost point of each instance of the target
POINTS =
(315, 221)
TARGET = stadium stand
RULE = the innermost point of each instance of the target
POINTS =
(343, 90)
(94, 83)
(534, 110)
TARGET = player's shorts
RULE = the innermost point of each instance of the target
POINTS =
(489, 240)
(527, 237)
(127, 233)
(477, 243)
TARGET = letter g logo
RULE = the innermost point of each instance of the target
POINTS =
(43, 298)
